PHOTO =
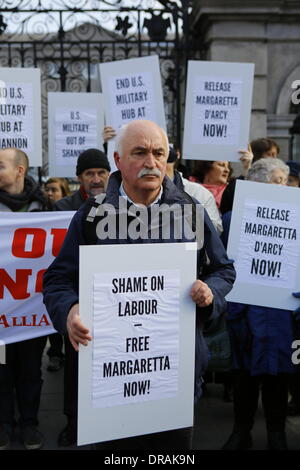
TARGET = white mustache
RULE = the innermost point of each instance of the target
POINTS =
(148, 171)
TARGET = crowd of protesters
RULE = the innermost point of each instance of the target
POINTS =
(260, 337)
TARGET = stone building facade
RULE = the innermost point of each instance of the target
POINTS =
(266, 33)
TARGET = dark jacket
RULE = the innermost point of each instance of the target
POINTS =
(62, 277)
(70, 203)
(261, 337)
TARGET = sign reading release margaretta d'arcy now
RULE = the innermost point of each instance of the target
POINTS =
(136, 374)
(264, 241)
(218, 109)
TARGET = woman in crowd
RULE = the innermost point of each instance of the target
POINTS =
(213, 175)
(261, 339)
(257, 149)
(55, 189)
(264, 148)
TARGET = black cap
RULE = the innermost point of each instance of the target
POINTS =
(294, 168)
(172, 155)
(91, 158)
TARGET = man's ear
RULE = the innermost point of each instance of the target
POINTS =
(117, 160)
(21, 171)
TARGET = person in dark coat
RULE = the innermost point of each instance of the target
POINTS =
(55, 189)
(92, 170)
(261, 339)
(22, 371)
(141, 157)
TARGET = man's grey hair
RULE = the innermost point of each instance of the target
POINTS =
(120, 136)
(262, 170)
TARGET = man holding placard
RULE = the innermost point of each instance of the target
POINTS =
(141, 157)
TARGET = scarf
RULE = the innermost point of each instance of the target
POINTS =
(216, 190)
(31, 193)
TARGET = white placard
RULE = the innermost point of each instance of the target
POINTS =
(132, 90)
(145, 305)
(264, 241)
(218, 110)
(75, 122)
(137, 374)
(20, 112)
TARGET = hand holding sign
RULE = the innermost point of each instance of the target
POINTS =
(108, 133)
(201, 294)
(246, 159)
(78, 333)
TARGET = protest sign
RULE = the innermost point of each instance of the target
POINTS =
(2, 353)
(28, 243)
(217, 110)
(75, 124)
(264, 241)
(20, 112)
(138, 372)
(131, 90)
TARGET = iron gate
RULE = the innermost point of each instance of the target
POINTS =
(66, 39)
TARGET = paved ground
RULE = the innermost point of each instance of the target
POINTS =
(213, 419)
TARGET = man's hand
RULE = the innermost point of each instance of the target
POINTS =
(78, 333)
(201, 294)
(108, 133)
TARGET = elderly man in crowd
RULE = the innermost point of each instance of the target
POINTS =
(141, 156)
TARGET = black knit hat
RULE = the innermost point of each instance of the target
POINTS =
(91, 158)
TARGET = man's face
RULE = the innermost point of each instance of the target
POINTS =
(94, 180)
(9, 171)
(143, 160)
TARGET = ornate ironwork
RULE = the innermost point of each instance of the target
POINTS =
(67, 38)
(123, 25)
